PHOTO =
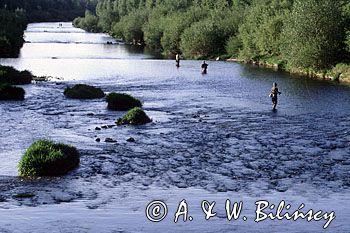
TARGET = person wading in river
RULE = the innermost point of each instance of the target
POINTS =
(274, 96)
(177, 59)
(204, 67)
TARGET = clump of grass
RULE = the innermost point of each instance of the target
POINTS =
(122, 102)
(8, 92)
(82, 91)
(47, 158)
(14, 77)
(135, 116)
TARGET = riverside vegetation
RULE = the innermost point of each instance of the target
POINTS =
(125, 102)
(12, 26)
(8, 92)
(10, 76)
(304, 36)
(15, 15)
(135, 116)
(122, 102)
(47, 158)
(82, 91)
(50, 10)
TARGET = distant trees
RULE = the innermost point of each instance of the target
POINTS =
(12, 26)
(261, 31)
(300, 33)
(314, 34)
(176, 23)
(89, 23)
(14, 16)
(130, 27)
(50, 10)
(195, 27)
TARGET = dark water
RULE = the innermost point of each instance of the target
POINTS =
(214, 133)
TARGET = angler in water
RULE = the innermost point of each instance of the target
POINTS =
(274, 96)
(177, 59)
(204, 67)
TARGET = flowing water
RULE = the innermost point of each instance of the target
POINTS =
(213, 137)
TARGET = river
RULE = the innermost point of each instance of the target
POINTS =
(213, 137)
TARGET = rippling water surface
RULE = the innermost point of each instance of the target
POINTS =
(212, 136)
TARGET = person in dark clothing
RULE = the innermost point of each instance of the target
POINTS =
(177, 59)
(274, 96)
(204, 67)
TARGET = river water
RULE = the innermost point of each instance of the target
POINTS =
(213, 137)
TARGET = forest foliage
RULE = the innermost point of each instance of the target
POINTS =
(50, 10)
(299, 33)
(12, 26)
(15, 15)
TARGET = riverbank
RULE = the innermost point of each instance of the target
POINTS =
(339, 73)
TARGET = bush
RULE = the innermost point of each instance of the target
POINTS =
(47, 158)
(13, 23)
(130, 27)
(201, 40)
(8, 92)
(347, 41)
(122, 102)
(265, 37)
(314, 34)
(14, 77)
(82, 91)
(88, 23)
(233, 46)
(135, 116)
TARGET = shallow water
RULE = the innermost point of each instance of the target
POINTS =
(214, 134)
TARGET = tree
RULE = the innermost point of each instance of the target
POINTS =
(88, 23)
(201, 40)
(314, 34)
(153, 29)
(107, 12)
(13, 24)
(176, 23)
(261, 32)
(130, 26)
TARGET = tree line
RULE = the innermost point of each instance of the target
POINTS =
(297, 33)
(15, 15)
(12, 26)
(50, 10)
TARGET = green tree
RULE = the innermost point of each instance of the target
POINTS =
(130, 26)
(261, 32)
(13, 24)
(153, 29)
(314, 34)
(176, 23)
(88, 23)
(233, 46)
(201, 39)
(107, 12)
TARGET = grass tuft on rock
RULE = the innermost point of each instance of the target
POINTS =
(122, 102)
(47, 158)
(12, 76)
(8, 92)
(82, 91)
(135, 116)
